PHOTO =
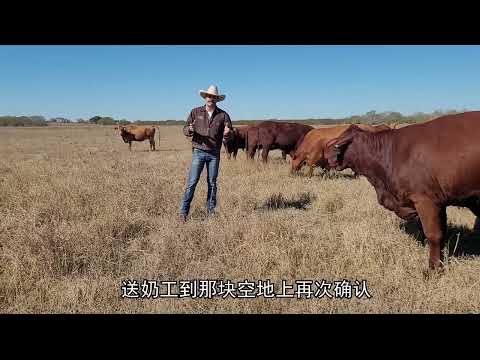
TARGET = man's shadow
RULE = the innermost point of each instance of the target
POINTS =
(335, 175)
(279, 201)
(460, 240)
(325, 174)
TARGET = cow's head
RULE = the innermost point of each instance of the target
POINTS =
(229, 134)
(123, 132)
(336, 149)
(296, 162)
(229, 139)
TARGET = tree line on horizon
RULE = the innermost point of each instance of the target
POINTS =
(371, 117)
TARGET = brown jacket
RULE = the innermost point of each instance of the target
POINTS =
(208, 134)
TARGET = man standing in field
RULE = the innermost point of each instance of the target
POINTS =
(206, 125)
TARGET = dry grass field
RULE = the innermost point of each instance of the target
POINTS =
(79, 214)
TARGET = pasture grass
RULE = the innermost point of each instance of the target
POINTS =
(79, 214)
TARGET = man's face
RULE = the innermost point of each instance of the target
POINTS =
(210, 100)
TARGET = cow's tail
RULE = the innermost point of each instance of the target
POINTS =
(246, 142)
(258, 140)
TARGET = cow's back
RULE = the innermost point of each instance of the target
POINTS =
(321, 136)
(242, 133)
(314, 139)
(284, 134)
(142, 133)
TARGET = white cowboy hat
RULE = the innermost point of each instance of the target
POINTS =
(212, 90)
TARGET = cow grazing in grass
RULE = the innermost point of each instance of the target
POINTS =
(311, 149)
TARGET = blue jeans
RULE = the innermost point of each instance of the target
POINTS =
(200, 158)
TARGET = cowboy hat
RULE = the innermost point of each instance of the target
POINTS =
(212, 90)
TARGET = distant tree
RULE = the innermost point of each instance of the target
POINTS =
(60, 120)
(371, 116)
(437, 113)
(451, 111)
(21, 121)
(391, 116)
(94, 119)
(106, 121)
(38, 118)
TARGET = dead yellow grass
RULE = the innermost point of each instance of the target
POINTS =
(79, 213)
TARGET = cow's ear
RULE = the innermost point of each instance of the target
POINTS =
(346, 138)
(340, 145)
(343, 143)
(337, 143)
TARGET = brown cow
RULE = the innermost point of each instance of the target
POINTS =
(311, 150)
(236, 141)
(271, 135)
(418, 170)
(138, 133)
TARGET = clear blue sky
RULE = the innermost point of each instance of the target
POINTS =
(162, 82)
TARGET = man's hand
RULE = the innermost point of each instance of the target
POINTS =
(190, 129)
(226, 133)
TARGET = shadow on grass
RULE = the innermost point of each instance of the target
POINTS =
(335, 175)
(323, 174)
(460, 240)
(278, 201)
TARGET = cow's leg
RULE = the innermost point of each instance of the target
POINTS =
(475, 209)
(476, 226)
(152, 144)
(434, 223)
(284, 155)
(310, 170)
(251, 152)
(235, 154)
(326, 170)
(130, 145)
(259, 147)
(311, 166)
(473, 204)
(265, 150)
(296, 163)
